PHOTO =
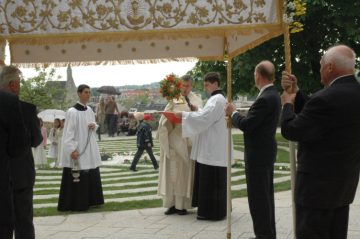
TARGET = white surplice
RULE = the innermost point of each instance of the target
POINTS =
(176, 170)
(75, 136)
(54, 140)
(209, 125)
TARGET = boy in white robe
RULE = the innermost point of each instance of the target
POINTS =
(209, 151)
(80, 154)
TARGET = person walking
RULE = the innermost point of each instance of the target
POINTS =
(144, 141)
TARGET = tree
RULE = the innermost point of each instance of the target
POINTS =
(35, 90)
(203, 67)
(131, 101)
(326, 23)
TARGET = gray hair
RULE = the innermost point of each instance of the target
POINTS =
(9, 74)
(187, 78)
(342, 56)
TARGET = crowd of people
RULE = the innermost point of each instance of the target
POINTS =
(193, 153)
(112, 121)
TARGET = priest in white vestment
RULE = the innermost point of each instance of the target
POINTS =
(209, 151)
(80, 156)
(176, 169)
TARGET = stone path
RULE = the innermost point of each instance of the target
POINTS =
(153, 224)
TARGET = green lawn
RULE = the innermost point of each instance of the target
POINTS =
(124, 146)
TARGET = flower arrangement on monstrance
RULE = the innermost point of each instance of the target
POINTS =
(170, 87)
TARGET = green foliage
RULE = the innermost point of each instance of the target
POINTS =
(131, 101)
(35, 90)
(326, 23)
(94, 92)
(203, 67)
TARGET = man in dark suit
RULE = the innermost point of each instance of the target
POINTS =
(259, 127)
(327, 129)
(22, 170)
(13, 143)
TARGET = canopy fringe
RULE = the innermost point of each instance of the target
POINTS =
(97, 63)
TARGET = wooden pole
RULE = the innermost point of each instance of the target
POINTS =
(229, 151)
(291, 144)
(2, 52)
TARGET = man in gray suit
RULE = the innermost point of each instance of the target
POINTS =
(259, 127)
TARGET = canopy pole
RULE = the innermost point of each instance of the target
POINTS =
(291, 144)
(229, 126)
(2, 52)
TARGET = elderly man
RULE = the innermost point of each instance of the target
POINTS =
(13, 143)
(22, 167)
(176, 168)
(327, 127)
(259, 127)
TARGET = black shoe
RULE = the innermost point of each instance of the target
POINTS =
(133, 169)
(181, 212)
(171, 210)
(201, 218)
(156, 167)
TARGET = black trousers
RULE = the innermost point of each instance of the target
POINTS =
(111, 122)
(23, 205)
(321, 223)
(138, 154)
(260, 190)
(7, 218)
(22, 210)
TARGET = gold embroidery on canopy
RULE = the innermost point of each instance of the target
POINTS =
(58, 16)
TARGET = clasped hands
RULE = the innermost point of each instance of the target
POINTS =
(75, 154)
(229, 108)
(92, 126)
(289, 84)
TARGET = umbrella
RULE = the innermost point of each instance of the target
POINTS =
(110, 90)
(51, 114)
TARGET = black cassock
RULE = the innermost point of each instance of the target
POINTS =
(79, 196)
(209, 193)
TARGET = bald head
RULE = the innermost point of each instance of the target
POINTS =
(266, 70)
(337, 61)
(343, 57)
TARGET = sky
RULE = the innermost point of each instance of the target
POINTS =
(119, 75)
(116, 75)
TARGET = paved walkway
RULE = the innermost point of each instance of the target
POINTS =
(153, 224)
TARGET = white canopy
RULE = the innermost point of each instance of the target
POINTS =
(112, 31)
(115, 31)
